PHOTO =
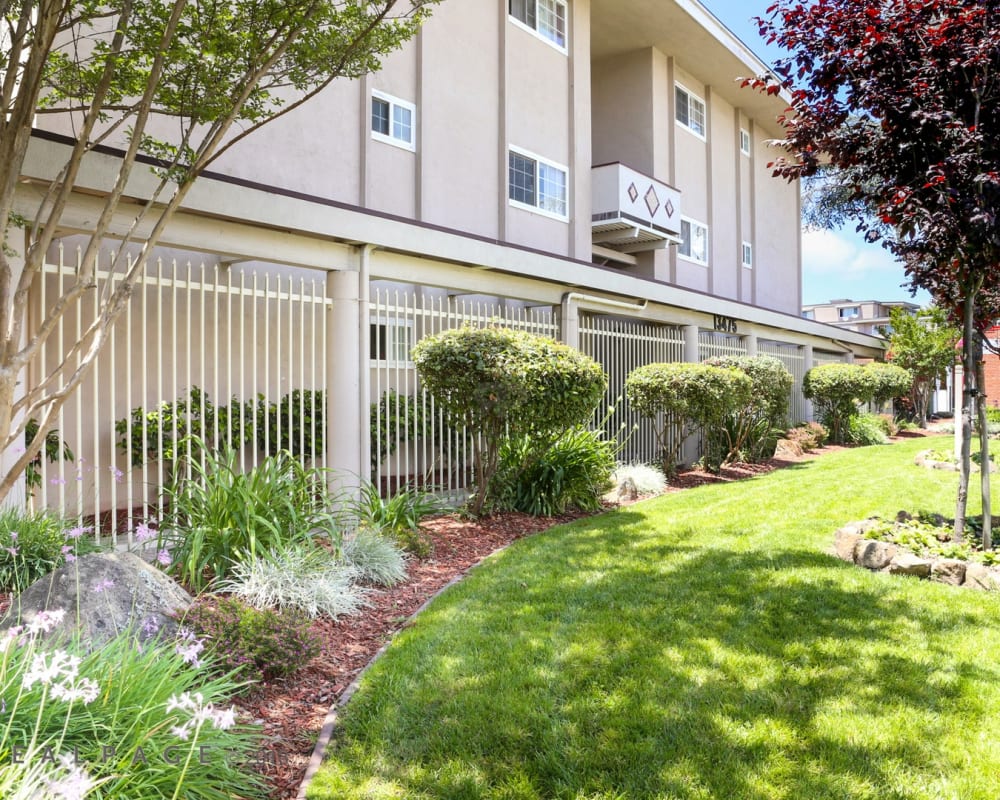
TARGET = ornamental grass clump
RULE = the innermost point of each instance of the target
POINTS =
(373, 557)
(219, 515)
(118, 723)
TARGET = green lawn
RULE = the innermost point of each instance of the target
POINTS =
(700, 645)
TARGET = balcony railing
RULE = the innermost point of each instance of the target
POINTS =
(633, 212)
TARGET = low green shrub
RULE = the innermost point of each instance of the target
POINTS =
(865, 430)
(398, 516)
(808, 435)
(118, 723)
(255, 644)
(993, 414)
(574, 472)
(888, 424)
(219, 515)
(31, 546)
(374, 557)
(647, 479)
(889, 381)
(303, 578)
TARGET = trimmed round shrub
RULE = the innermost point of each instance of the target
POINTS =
(750, 432)
(498, 382)
(837, 390)
(888, 382)
(684, 398)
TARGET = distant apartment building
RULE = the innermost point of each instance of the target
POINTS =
(864, 316)
(589, 169)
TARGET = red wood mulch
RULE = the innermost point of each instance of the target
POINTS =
(292, 711)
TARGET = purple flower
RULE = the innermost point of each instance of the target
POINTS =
(78, 531)
(163, 557)
(67, 551)
(57, 481)
(11, 550)
(102, 584)
(150, 626)
(143, 533)
(117, 473)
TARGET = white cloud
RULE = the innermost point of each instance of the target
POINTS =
(838, 253)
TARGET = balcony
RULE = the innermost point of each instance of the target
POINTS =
(632, 213)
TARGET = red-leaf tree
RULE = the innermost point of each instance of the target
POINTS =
(901, 100)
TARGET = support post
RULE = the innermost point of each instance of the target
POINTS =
(807, 364)
(691, 344)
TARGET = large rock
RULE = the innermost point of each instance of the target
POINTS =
(978, 576)
(786, 448)
(948, 570)
(103, 595)
(844, 542)
(873, 554)
(905, 563)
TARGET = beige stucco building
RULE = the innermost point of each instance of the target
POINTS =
(587, 168)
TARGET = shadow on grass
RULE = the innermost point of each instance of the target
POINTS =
(607, 665)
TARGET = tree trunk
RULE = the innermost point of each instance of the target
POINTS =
(984, 446)
(968, 392)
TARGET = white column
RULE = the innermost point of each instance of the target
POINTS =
(751, 341)
(691, 344)
(807, 364)
(569, 322)
(344, 423)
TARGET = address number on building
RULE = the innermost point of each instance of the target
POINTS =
(724, 324)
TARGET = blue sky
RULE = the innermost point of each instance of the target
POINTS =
(836, 263)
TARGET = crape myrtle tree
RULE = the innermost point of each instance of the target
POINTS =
(900, 99)
(923, 343)
(173, 83)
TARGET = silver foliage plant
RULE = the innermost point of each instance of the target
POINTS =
(374, 557)
(647, 479)
(310, 580)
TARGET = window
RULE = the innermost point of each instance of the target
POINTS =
(547, 18)
(747, 254)
(694, 241)
(690, 111)
(809, 314)
(849, 312)
(536, 184)
(744, 141)
(393, 120)
(390, 342)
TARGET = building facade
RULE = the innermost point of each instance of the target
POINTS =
(864, 316)
(589, 169)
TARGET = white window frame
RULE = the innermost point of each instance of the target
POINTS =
(809, 313)
(680, 248)
(702, 134)
(537, 31)
(855, 312)
(744, 141)
(746, 255)
(390, 138)
(399, 340)
(539, 162)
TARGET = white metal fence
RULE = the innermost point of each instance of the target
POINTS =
(620, 345)
(717, 345)
(202, 350)
(795, 362)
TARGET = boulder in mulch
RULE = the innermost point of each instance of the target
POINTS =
(104, 595)
(978, 576)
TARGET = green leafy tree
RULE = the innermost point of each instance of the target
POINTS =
(683, 399)
(923, 343)
(177, 82)
(503, 384)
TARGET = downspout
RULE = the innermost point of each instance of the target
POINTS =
(364, 340)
